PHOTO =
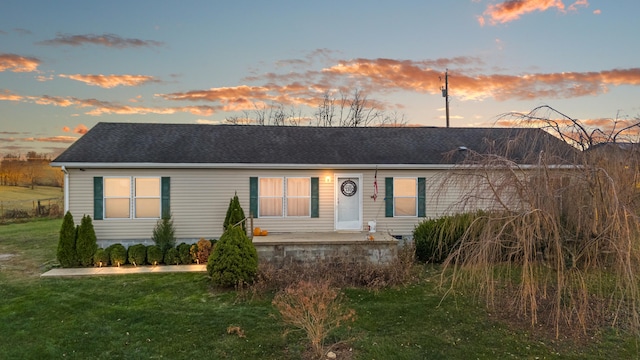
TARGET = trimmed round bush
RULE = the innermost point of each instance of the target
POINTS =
(204, 250)
(101, 257)
(172, 257)
(184, 252)
(137, 254)
(154, 255)
(234, 259)
(117, 254)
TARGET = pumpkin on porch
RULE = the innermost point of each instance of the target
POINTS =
(257, 231)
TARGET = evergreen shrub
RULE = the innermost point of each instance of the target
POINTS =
(154, 255)
(235, 214)
(66, 251)
(101, 257)
(171, 257)
(86, 243)
(234, 259)
(184, 252)
(164, 234)
(137, 254)
(435, 239)
(117, 254)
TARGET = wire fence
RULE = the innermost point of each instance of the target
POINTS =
(35, 208)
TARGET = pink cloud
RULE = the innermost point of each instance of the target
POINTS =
(512, 10)
(111, 81)
(17, 63)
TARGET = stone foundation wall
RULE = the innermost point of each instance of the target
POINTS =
(373, 252)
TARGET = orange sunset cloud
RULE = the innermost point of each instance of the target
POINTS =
(111, 81)
(511, 10)
(17, 63)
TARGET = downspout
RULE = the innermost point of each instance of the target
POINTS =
(66, 188)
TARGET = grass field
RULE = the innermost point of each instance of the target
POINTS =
(22, 202)
(180, 316)
(21, 193)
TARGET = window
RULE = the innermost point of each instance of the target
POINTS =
(298, 196)
(270, 195)
(119, 192)
(117, 197)
(147, 197)
(405, 196)
(290, 196)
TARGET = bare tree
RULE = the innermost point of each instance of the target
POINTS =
(560, 244)
(349, 111)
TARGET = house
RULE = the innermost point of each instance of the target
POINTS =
(291, 179)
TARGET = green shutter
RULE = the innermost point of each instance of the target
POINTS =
(98, 198)
(422, 197)
(253, 196)
(315, 199)
(165, 196)
(388, 197)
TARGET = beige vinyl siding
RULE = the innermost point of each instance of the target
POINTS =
(199, 199)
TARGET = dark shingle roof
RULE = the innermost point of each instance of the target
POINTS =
(250, 144)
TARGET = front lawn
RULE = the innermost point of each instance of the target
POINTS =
(180, 316)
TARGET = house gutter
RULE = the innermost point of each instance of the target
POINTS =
(124, 165)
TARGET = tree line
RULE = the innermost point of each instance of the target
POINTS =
(30, 170)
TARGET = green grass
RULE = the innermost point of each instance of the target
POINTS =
(22, 193)
(179, 316)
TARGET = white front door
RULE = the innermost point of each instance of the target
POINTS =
(348, 202)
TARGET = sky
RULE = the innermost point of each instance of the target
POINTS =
(67, 65)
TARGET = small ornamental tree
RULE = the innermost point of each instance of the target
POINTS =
(234, 259)
(235, 214)
(203, 250)
(164, 234)
(86, 243)
(66, 252)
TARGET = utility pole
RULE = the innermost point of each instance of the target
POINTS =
(445, 93)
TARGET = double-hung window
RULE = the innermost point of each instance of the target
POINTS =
(270, 195)
(124, 196)
(405, 196)
(147, 197)
(289, 196)
(117, 198)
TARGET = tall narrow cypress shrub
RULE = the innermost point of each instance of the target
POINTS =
(66, 252)
(235, 214)
(86, 243)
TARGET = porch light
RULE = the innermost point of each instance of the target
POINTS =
(327, 179)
